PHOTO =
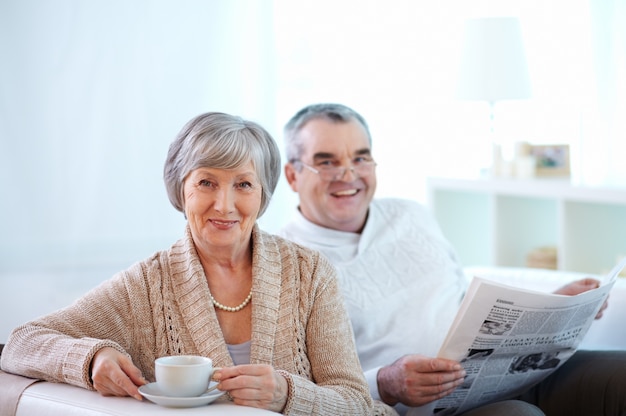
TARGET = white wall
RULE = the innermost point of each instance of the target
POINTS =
(92, 93)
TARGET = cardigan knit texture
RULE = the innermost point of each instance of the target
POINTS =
(161, 306)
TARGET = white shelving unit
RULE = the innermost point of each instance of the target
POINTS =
(498, 221)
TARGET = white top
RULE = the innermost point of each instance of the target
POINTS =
(240, 353)
(401, 280)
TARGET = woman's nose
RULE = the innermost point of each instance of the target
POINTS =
(224, 200)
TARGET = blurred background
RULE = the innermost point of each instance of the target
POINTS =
(92, 93)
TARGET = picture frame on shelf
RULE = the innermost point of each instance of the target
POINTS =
(551, 159)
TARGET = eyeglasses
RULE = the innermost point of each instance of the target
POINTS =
(334, 173)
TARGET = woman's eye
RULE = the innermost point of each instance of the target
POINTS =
(205, 182)
(245, 185)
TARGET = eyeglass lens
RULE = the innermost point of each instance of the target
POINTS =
(336, 173)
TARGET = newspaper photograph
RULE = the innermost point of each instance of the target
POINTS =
(509, 339)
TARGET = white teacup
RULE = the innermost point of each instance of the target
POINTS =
(184, 375)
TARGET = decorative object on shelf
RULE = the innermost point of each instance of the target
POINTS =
(521, 166)
(620, 257)
(543, 258)
(493, 68)
(524, 161)
(551, 160)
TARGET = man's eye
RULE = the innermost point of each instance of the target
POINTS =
(325, 163)
(361, 159)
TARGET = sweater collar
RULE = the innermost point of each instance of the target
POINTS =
(191, 292)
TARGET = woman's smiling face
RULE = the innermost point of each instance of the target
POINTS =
(222, 206)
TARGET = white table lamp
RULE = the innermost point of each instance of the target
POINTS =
(493, 63)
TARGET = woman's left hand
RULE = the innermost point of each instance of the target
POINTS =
(255, 385)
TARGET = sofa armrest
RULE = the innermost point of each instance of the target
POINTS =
(58, 399)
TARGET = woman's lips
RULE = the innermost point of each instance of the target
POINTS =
(223, 223)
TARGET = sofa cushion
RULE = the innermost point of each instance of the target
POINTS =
(11, 388)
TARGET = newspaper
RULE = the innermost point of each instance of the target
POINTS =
(509, 339)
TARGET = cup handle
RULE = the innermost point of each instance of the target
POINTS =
(215, 386)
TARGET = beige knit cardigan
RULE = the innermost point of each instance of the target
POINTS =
(161, 306)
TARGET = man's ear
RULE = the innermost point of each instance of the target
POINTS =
(290, 175)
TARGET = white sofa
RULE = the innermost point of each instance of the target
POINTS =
(54, 399)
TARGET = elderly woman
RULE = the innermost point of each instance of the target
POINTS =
(265, 310)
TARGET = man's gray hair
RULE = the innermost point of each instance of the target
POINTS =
(337, 113)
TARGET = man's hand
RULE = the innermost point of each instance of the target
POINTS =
(114, 374)
(579, 286)
(415, 380)
(255, 385)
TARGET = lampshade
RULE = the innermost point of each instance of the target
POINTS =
(493, 62)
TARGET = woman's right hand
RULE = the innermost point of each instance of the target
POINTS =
(114, 374)
(255, 385)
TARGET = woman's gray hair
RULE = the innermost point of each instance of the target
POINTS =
(337, 113)
(221, 141)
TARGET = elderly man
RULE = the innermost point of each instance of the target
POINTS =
(401, 280)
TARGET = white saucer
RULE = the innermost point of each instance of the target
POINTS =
(152, 392)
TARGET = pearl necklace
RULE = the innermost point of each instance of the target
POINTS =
(232, 308)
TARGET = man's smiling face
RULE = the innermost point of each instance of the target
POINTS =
(342, 203)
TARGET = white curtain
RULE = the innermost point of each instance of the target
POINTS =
(91, 94)
(605, 125)
(397, 63)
